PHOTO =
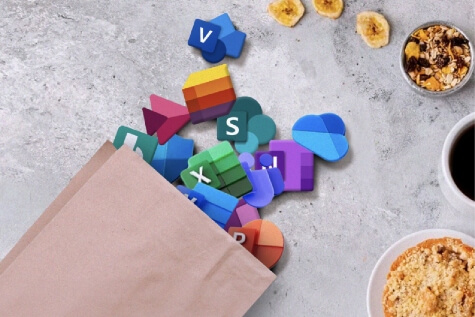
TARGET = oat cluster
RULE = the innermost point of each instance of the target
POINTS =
(436, 278)
(437, 57)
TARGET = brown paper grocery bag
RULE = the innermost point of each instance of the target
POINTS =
(124, 242)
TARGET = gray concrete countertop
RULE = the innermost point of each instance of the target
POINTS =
(72, 72)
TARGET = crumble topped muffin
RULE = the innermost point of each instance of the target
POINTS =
(435, 278)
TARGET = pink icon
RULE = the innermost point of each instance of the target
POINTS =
(166, 118)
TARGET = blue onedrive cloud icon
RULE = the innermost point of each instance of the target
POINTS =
(323, 134)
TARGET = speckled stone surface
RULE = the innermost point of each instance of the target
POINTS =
(71, 72)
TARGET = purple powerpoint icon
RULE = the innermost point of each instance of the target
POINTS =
(299, 167)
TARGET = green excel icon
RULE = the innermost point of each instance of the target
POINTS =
(200, 173)
(142, 144)
(225, 165)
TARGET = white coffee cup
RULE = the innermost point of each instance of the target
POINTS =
(450, 190)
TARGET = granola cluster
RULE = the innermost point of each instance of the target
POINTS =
(437, 57)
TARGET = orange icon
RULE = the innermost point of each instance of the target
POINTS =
(270, 242)
(245, 236)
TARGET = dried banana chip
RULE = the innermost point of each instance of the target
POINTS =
(286, 12)
(329, 8)
(373, 28)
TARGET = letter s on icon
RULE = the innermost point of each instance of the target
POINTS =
(232, 126)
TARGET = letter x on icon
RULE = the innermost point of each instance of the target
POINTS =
(200, 177)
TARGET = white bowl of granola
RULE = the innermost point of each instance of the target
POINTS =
(436, 59)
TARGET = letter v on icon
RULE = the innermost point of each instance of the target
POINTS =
(202, 40)
(204, 36)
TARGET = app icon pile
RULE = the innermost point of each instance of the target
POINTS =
(227, 188)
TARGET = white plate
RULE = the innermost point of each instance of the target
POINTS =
(378, 276)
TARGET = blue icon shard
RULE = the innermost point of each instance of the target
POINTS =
(172, 157)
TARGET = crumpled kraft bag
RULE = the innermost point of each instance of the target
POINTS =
(122, 241)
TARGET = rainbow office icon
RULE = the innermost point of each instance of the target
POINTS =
(209, 94)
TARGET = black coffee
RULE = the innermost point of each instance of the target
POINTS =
(462, 162)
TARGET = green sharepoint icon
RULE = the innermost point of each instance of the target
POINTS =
(233, 126)
(142, 144)
(225, 166)
(246, 125)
